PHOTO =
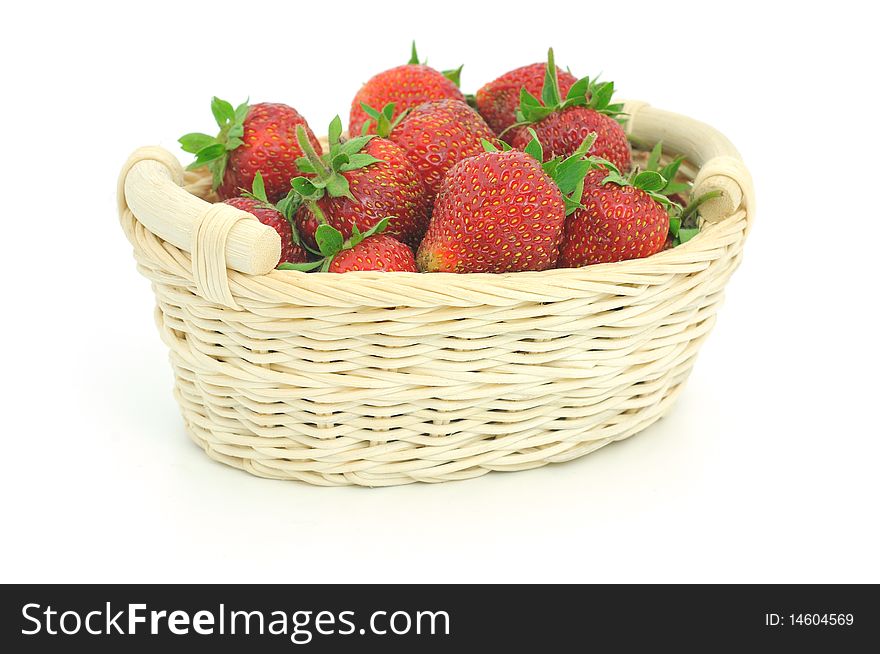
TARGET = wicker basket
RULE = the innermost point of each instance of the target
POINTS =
(389, 378)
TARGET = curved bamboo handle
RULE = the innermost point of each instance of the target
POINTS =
(720, 166)
(150, 185)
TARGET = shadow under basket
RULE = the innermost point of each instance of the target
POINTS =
(378, 379)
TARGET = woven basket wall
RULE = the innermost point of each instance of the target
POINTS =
(389, 378)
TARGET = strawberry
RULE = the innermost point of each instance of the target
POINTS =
(371, 250)
(252, 139)
(357, 183)
(257, 204)
(502, 211)
(621, 218)
(406, 86)
(562, 125)
(498, 100)
(435, 136)
(379, 252)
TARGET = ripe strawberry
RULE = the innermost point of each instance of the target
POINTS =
(258, 138)
(502, 212)
(406, 86)
(370, 250)
(379, 252)
(435, 136)
(257, 204)
(561, 125)
(498, 100)
(358, 183)
(621, 218)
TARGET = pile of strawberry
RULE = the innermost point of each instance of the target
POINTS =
(533, 172)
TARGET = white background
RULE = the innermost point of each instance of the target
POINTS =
(767, 468)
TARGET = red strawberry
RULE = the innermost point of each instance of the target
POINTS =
(501, 212)
(378, 252)
(622, 218)
(257, 204)
(562, 131)
(406, 86)
(498, 100)
(561, 125)
(259, 138)
(358, 183)
(370, 250)
(435, 136)
(291, 252)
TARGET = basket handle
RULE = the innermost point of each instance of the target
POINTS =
(720, 166)
(217, 236)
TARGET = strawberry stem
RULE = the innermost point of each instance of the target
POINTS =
(321, 170)
(693, 205)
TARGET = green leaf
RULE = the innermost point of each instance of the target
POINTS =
(355, 145)
(578, 91)
(305, 166)
(570, 172)
(551, 166)
(674, 225)
(453, 75)
(337, 187)
(241, 111)
(550, 90)
(334, 132)
(585, 145)
(329, 240)
(534, 148)
(306, 188)
(526, 99)
(208, 154)
(488, 146)
(233, 143)
(236, 131)
(602, 95)
(414, 55)
(218, 169)
(288, 206)
(359, 160)
(670, 170)
(685, 234)
(676, 187)
(195, 141)
(223, 111)
(379, 227)
(259, 188)
(388, 110)
(602, 162)
(339, 160)
(304, 267)
(654, 157)
(649, 180)
(370, 111)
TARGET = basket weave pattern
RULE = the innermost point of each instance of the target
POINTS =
(389, 378)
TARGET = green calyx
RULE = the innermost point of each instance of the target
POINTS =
(385, 119)
(323, 174)
(667, 171)
(685, 224)
(286, 206)
(651, 182)
(330, 243)
(586, 92)
(568, 172)
(453, 75)
(213, 151)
